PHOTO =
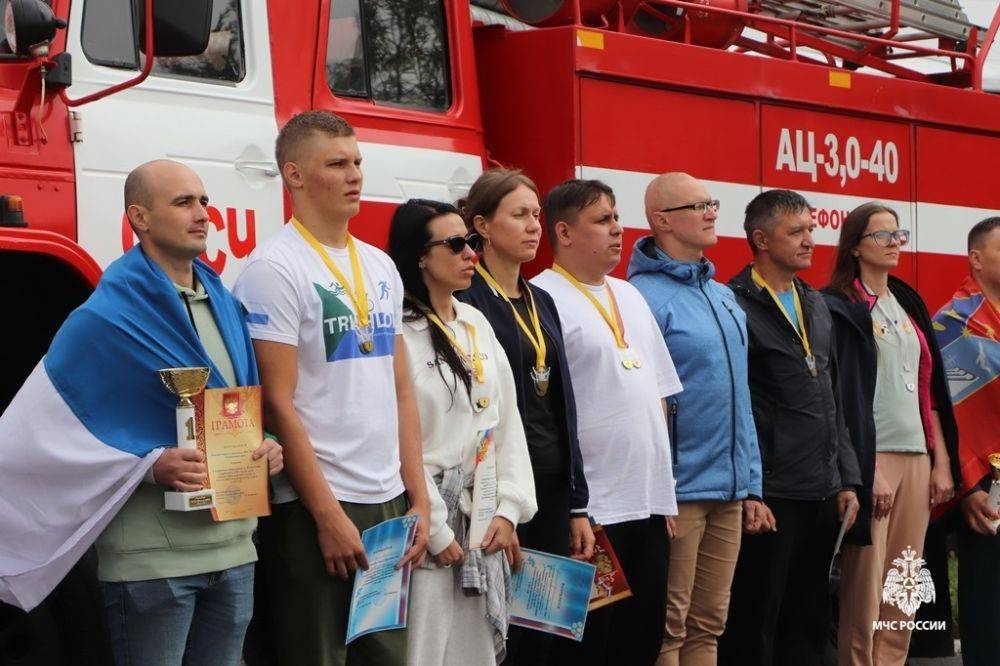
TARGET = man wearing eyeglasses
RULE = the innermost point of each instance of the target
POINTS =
(715, 454)
(779, 612)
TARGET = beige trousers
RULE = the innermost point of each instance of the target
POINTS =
(703, 556)
(864, 568)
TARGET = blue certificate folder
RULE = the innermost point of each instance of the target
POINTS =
(381, 594)
(551, 593)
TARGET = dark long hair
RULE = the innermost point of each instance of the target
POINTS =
(408, 236)
(846, 267)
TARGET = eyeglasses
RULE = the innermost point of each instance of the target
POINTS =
(699, 207)
(457, 243)
(885, 238)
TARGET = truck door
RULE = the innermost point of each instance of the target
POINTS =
(403, 73)
(213, 112)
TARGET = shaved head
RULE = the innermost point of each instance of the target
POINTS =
(167, 207)
(668, 190)
(140, 184)
(684, 232)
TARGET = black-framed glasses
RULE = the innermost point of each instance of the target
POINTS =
(885, 238)
(457, 243)
(698, 207)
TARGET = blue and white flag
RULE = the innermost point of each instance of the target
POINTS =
(93, 417)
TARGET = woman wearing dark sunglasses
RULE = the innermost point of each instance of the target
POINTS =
(898, 411)
(503, 207)
(473, 444)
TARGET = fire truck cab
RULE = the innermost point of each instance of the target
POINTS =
(402, 73)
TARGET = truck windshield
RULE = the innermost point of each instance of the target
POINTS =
(393, 52)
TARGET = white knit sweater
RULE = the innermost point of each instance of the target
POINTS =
(449, 424)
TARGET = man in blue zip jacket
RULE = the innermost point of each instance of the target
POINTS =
(716, 458)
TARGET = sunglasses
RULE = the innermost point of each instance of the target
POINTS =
(457, 243)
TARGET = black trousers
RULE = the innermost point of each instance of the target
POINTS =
(780, 608)
(629, 631)
(978, 596)
(548, 532)
(937, 642)
(67, 629)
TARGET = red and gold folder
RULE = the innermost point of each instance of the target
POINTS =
(609, 579)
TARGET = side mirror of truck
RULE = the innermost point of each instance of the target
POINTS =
(30, 26)
(180, 27)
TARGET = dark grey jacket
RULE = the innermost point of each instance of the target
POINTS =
(805, 447)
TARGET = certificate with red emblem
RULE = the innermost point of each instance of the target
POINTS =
(609, 579)
(230, 429)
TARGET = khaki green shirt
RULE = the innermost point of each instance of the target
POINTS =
(146, 542)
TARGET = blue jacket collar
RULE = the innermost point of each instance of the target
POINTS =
(647, 257)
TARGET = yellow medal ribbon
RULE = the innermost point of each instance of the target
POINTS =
(536, 337)
(612, 322)
(800, 330)
(472, 359)
(357, 294)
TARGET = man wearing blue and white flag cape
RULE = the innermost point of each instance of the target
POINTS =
(87, 447)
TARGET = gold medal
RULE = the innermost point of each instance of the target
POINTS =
(800, 330)
(471, 359)
(357, 293)
(540, 376)
(539, 373)
(613, 319)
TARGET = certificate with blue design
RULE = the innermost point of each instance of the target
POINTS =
(380, 599)
(551, 593)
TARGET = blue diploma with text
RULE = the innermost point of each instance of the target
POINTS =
(381, 594)
(551, 594)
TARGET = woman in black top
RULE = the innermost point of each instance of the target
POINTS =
(503, 207)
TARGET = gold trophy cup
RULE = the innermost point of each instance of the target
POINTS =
(186, 383)
(994, 460)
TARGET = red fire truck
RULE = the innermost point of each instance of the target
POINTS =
(823, 96)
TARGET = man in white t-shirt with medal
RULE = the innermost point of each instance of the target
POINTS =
(325, 313)
(622, 374)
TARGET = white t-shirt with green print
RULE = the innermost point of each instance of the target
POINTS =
(345, 398)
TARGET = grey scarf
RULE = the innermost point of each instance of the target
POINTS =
(480, 574)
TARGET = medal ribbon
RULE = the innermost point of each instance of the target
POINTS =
(900, 330)
(358, 295)
(476, 361)
(803, 334)
(537, 339)
(612, 322)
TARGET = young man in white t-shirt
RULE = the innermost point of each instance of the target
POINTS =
(325, 313)
(622, 374)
